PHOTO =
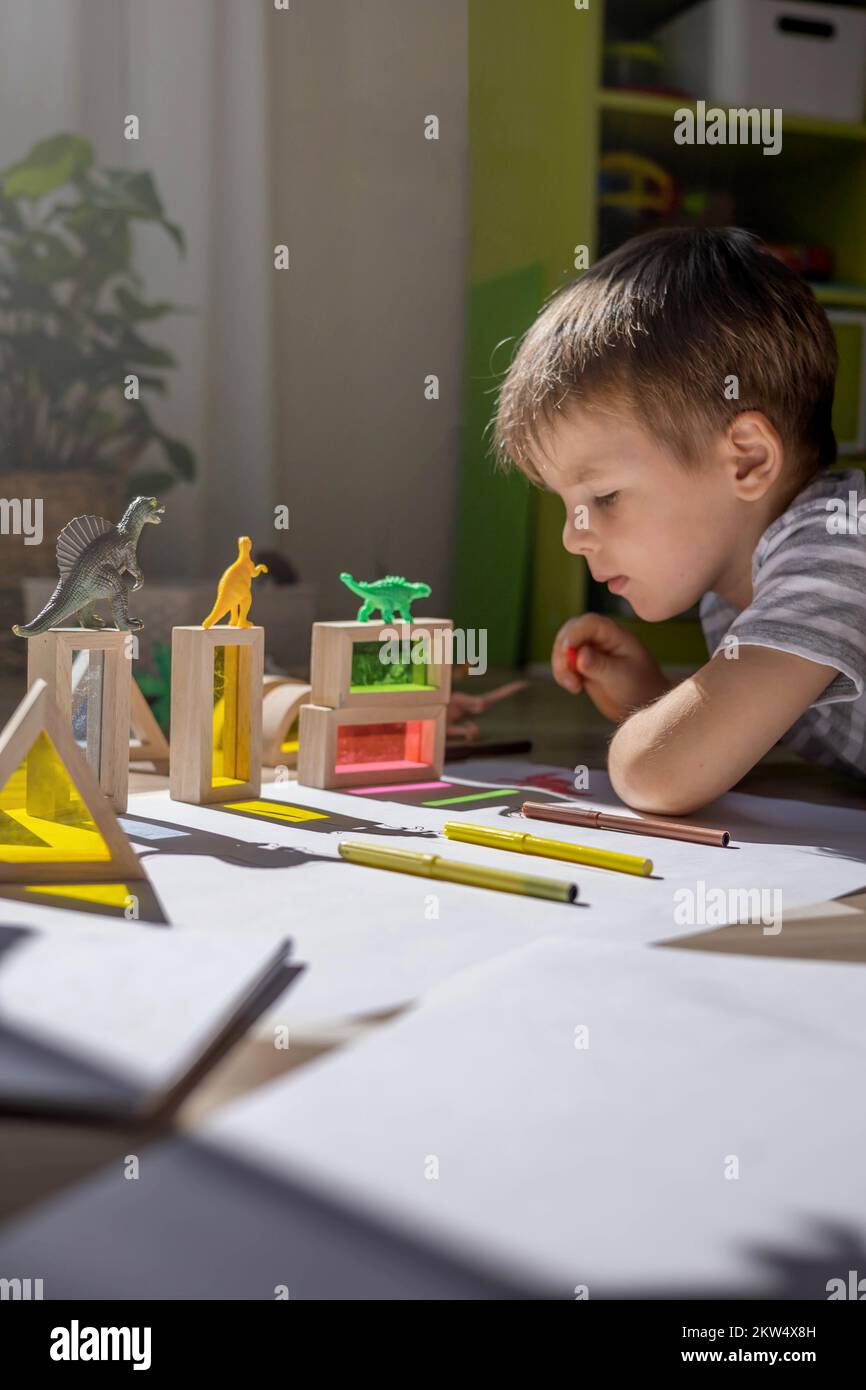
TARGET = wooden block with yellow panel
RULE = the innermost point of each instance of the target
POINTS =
(216, 713)
(88, 673)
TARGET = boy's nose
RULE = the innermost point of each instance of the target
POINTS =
(577, 540)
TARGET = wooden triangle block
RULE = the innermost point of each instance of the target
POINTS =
(152, 745)
(56, 823)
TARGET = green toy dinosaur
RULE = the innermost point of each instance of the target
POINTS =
(96, 561)
(390, 595)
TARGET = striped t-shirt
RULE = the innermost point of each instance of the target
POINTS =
(809, 598)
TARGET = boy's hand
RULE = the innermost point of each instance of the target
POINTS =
(612, 666)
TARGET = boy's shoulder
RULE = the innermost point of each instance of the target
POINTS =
(832, 505)
(819, 538)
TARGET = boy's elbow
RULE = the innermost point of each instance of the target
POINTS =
(653, 783)
(638, 783)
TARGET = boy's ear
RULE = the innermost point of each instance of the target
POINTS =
(755, 454)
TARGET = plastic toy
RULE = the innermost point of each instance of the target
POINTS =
(634, 182)
(96, 561)
(390, 595)
(234, 594)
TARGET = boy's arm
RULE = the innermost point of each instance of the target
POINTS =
(698, 740)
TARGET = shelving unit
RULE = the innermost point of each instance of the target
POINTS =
(540, 121)
(662, 108)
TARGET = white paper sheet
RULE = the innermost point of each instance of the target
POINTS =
(611, 1164)
(373, 940)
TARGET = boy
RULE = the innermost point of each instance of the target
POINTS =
(678, 399)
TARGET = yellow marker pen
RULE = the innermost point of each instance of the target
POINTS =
(410, 861)
(522, 843)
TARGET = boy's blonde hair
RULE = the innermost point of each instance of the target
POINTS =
(659, 327)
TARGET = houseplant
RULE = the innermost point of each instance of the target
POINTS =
(76, 370)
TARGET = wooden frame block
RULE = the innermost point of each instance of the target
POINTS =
(50, 658)
(319, 750)
(37, 714)
(281, 702)
(152, 746)
(332, 654)
(207, 727)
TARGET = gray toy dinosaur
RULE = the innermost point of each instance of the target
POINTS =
(96, 561)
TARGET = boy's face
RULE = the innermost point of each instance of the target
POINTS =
(660, 535)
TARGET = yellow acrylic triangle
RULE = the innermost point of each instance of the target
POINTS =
(56, 823)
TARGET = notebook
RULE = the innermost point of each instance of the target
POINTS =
(117, 1023)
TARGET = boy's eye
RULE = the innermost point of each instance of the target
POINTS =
(606, 501)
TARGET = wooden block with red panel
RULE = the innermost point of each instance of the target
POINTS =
(378, 702)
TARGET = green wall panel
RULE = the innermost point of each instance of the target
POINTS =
(492, 573)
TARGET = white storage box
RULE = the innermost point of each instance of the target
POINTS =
(808, 59)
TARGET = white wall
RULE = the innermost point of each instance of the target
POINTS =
(375, 217)
(305, 127)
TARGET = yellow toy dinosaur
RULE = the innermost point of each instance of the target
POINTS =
(234, 592)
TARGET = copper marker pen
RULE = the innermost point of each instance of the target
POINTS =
(602, 820)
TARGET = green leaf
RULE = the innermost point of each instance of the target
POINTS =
(136, 349)
(161, 653)
(80, 217)
(50, 164)
(176, 234)
(135, 308)
(131, 191)
(152, 383)
(17, 294)
(54, 361)
(9, 214)
(140, 419)
(104, 422)
(44, 258)
(180, 455)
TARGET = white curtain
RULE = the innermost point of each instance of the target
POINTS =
(195, 73)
